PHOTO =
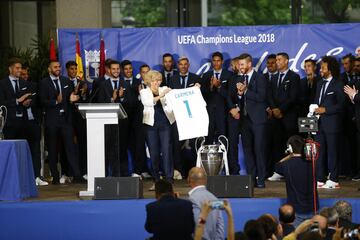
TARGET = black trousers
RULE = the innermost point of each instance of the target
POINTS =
(62, 132)
(79, 125)
(217, 123)
(31, 131)
(253, 138)
(233, 136)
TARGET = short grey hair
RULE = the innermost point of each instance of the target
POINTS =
(344, 210)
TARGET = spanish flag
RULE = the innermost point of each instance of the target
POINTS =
(78, 60)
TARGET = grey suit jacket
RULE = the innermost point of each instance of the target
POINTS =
(214, 227)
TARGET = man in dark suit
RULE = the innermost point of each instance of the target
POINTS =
(56, 94)
(308, 87)
(169, 217)
(97, 81)
(330, 98)
(19, 97)
(251, 94)
(168, 69)
(132, 129)
(33, 125)
(348, 139)
(184, 79)
(214, 90)
(79, 123)
(284, 106)
(233, 119)
(110, 91)
(272, 73)
(354, 97)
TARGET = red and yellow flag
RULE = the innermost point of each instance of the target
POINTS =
(78, 60)
(52, 50)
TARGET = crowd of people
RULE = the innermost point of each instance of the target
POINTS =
(261, 108)
(200, 217)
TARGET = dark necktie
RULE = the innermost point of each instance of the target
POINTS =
(271, 77)
(16, 87)
(246, 79)
(115, 84)
(217, 75)
(280, 80)
(57, 86)
(322, 93)
(168, 78)
(183, 81)
(128, 82)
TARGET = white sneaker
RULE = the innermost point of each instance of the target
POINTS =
(146, 175)
(152, 188)
(177, 175)
(40, 182)
(64, 179)
(331, 185)
(136, 175)
(320, 184)
(275, 177)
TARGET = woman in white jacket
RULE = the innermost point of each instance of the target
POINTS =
(158, 117)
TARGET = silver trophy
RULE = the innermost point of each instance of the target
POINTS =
(212, 158)
(3, 113)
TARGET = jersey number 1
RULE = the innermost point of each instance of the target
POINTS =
(188, 108)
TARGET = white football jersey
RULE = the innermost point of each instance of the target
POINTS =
(190, 112)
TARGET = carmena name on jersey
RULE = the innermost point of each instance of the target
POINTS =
(190, 112)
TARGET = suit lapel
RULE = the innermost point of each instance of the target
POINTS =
(10, 87)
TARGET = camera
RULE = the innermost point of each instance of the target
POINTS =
(314, 227)
(353, 234)
(217, 205)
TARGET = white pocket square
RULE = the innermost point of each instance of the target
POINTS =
(66, 86)
(287, 81)
(24, 88)
(330, 93)
(224, 81)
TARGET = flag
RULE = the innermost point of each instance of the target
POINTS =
(52, 50)
(78, 60)
(102, 57)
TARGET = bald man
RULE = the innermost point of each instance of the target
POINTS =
(287, 218)
(214, 224)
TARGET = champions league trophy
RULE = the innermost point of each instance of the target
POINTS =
(212, 158)
(3, 113)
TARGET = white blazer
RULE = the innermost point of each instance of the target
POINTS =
(147, 99)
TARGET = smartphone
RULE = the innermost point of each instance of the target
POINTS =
(218, 204)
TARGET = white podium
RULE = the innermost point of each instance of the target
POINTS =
(97, 115)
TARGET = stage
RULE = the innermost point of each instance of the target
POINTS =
(58, 213)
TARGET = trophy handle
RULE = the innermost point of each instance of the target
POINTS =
(222, 138)
(196, 143)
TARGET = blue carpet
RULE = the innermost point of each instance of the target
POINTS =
(110, 219)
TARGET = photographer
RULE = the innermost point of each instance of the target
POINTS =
(206, 208)
(299, 180)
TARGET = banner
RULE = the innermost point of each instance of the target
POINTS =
(147, 45)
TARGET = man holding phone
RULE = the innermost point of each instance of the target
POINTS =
(198, 195)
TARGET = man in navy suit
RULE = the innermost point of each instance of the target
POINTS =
(331, 99)
(168, 69)
(19, 97)
(110, 91)
(308, 87)
(284, 106)
(79, 123)
(56, 94)
(251, 93)
(353, 94)
(97, 82)
(169, 217)
(214, 90)
(184, 79)
(348, 142)
(132, 129)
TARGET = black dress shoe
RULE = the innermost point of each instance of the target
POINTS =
(80, 180)
(55, 181)
(260, 185)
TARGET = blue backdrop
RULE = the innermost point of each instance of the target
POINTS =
(146, 45)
